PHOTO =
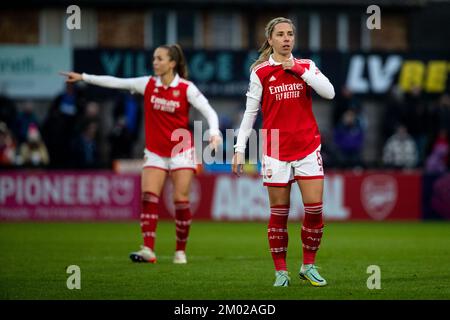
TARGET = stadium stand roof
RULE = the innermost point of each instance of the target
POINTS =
(221, 3)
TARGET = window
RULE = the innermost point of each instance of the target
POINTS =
(186, 29)
(328, 31)
(87, 35)
(224, 31)
(158, 28)
(167, 27)
(302, 31)
(51, 22)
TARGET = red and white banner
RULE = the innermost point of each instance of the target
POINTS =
(377, 195)
(68, 196)
(347, 196)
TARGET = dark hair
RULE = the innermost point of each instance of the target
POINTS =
(176, 54)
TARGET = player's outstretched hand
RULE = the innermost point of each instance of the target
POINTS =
(71, 76)
(238, 163)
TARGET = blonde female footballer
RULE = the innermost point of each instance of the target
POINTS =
(281, 86)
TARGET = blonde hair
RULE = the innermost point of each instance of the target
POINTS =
(266, 49)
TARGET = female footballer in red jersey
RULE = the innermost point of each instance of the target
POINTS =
(167, 97)
(281, 85)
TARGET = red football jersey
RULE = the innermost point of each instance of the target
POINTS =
(286, 105)
(166, 110)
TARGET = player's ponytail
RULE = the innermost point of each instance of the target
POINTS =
(176, 54)
(181, 67)
(264, 53)
(266, 49)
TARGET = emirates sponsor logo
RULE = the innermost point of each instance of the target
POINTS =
(286, 91)
(164, 104)
(285, 88)
(379, 195)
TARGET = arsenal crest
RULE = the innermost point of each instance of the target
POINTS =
(176, 93)
(269, 173)
(379, 195)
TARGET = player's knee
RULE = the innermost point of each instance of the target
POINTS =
(150, 196)
(179, 196)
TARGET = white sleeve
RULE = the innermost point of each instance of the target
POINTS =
(317, 80)
(131, 84)
(199, 101)
(254, 94)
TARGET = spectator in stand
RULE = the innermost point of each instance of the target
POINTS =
(437, 161)
(348, 138)
(25, 120)
(328, 150)
(8, 111)
(90, 112)
(33, 152)
(444, 112)
(121, 140)
(417, 120)
(130, 110)
(59, 126)
(127, 115)
(85, 148)
(394, 112)
(345, 100)
(400, 150)
(7, 146)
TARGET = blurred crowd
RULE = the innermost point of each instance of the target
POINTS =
(69, 136)
(413, 132)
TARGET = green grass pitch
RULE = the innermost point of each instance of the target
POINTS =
(226, 261)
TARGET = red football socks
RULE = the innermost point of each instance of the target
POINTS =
(278, 235)
(149, 218)
(183, 218)
(312, 231)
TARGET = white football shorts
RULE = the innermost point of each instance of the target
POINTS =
(183, 160)
(277, 173)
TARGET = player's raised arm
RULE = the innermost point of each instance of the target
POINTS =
(131, 84)
(312, 76)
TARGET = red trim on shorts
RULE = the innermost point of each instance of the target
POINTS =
(273, 184)
(308, 177)
(195, 170)
(154, 167)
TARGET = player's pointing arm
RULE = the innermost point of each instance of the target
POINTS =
(131, 84)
